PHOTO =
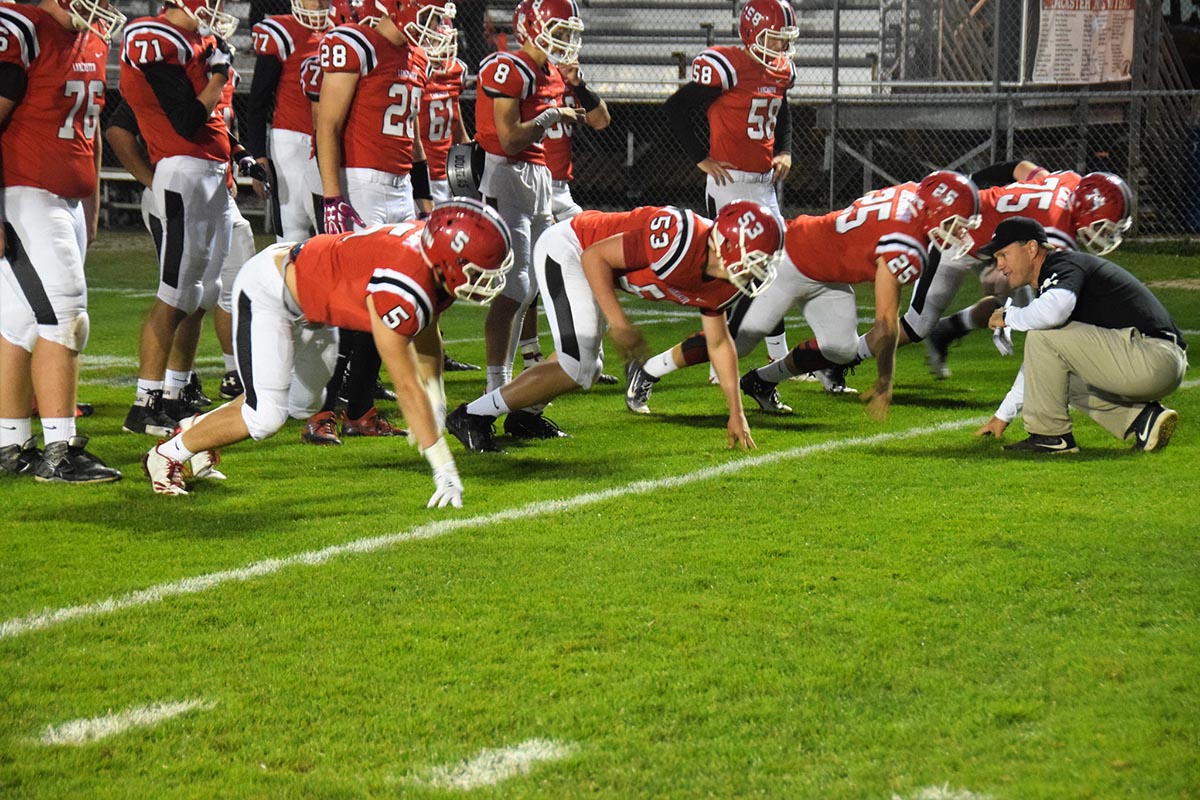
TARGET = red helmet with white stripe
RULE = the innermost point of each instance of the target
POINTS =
(468, 245)
(949, 204)
(553, 26)
(350, 12)
(424, 23)
(1101, 210)
(748, 238)
(768, 30)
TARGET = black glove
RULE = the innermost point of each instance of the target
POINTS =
(249, 168)
(219, 60)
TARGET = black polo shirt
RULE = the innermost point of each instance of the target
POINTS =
(1107, 295)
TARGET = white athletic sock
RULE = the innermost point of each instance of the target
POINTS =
(775, 372)
(864, 351)
(15, 431)
(174, 383)
(490, 405)
(175, 450)
(531, 352)
(777, 346)
(58, 429)
(659, 365)
(145, 386)
(230, 362)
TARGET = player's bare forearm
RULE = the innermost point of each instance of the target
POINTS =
(337, 93)
(400, 358)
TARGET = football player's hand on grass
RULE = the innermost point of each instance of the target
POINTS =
(448, 489)
(630, 343)
(994, 427)
(737, 433)
(878, 400)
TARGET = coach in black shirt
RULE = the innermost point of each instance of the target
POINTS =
(1099, 341)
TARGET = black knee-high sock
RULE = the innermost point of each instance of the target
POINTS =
(334, 387)
(362, 373)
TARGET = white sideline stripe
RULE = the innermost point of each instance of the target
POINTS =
(491, 766)
(89, 362)
(83, 731)
(155, 594)
(942, 793)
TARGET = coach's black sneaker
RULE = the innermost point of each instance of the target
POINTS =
(834, 379)
(383, 393)
(231, 385)
(147, 416)
(527, 425)
(1040, 443)
(475, 431)
(194, 392)
(70, 462)
(764, 393)
(1153, 427)
(20, 459)
(452, 364)
(637, 387)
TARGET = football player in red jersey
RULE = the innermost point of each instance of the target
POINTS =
(743, 92)
(441, 120)
(281, 43)
(882, 238)
(394, 280)
(656, 253)
(372, 162)
(174, 71)
(52, 60)
(1092, 210)
(519, 97)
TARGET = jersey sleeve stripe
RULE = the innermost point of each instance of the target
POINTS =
(394, 282)
(667, 264)
(281, 35)
(905, 244)
(360, 44)
(520, 66)
(723, 65)
(1061, 238)
(182, 46)
(23, 29)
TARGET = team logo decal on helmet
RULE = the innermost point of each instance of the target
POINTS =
(768, 30)
(1101, 210)
(553, 26)
(748, 238)
(949, 204)
(468, 244)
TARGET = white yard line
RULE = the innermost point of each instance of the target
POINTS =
(942, 793)
(51, 617)
(491, 766)
(84, 731)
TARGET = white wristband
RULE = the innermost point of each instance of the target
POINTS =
(438, 454)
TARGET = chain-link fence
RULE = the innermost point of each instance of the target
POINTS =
(887, 90)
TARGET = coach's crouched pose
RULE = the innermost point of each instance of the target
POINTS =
(1099, 340)
(393, 281)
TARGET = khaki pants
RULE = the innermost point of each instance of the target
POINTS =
(1109, 374)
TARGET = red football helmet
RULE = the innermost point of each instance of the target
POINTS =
(553, 26)
(315, 19)
(1102, 210)
(423, 23)
(350, 12)
(208, 14)
(468, 245)
(949, 204)
(98, 16)
(445, 58)
(748, 237)
(768, 30)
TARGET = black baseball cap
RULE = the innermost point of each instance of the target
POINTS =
(1014, 229)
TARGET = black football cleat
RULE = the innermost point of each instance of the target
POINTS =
(637, 387)
(384, 393)
(147, 416)
(524, 424)
(19, 460)
(937, 351)
(194, 392)
(70, 462)
(231, 385)
(1041, 443)
(833, 380)
(764, 393)
(1154, 427)
(604, 379)
(452, 364)
(180, 408)
(475, 431)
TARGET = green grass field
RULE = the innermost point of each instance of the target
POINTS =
(856, 610)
